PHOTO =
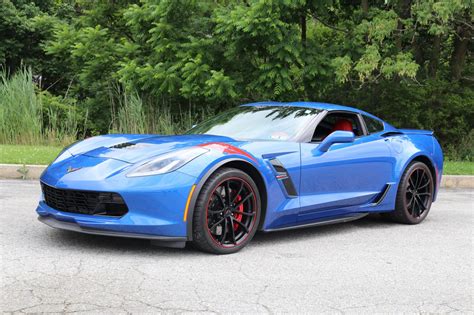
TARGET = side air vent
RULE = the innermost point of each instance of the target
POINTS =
(284, 177)
(381, 196)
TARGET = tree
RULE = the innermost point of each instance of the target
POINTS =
(408, 61)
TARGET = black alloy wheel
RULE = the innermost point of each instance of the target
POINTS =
(415, 194)
(227, 212)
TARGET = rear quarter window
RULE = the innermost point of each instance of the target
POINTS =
(373, 125)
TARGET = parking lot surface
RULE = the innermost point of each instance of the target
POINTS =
(364, 266)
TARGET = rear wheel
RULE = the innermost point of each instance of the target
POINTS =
(227, 212)
(414, 196)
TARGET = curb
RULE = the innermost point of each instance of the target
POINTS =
(457, 181)
(18, 171)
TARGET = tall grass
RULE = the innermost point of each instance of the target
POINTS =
(132, 114)
(25, 118)
(129, 116)
(20, 112)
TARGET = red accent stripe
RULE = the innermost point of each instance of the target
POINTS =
(227, 148)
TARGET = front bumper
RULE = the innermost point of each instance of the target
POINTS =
(156, 206)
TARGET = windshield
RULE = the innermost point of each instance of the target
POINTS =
(258, 123)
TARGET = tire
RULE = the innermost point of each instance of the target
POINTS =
(414, 195)
(221, 226)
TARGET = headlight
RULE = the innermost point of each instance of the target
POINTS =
(167, 162)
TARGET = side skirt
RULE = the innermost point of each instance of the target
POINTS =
(320, 223)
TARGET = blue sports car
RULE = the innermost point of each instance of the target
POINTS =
(264, 166)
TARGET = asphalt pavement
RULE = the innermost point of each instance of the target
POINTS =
(364, 266)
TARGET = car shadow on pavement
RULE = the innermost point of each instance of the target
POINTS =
(101, 243)
(373, 221)
(106, 243)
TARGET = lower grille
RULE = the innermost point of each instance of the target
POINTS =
(84, 202)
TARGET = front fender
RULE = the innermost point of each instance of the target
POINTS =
(207, 170)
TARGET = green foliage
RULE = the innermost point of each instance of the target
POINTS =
(458, 168)
(463, 151)
(438, 16)
(28, 154)
(30, 116)
(20, 111)
(132, 114)
(159, 66)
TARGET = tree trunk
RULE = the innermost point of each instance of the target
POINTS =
(303, 29)
(434, 58)
(398, 38)
(461, 42)
(404, 11)
(365, 6)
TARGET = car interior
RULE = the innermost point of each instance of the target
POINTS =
(337, 121)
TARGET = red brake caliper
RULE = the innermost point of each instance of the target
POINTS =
(238, 216)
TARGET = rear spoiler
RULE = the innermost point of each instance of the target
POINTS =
(408, 132)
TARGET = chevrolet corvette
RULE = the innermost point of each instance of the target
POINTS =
(265, 166)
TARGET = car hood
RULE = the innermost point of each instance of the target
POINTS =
(133, 150)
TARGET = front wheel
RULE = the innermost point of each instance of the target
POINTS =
(414, 196)
(227, 212)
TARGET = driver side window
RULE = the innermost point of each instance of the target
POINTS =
(337, 121)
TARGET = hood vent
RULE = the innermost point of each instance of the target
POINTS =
(122, 145)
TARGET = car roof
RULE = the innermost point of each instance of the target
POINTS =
(323, 106)
(318, 105)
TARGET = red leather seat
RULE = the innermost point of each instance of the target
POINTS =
(342, 124)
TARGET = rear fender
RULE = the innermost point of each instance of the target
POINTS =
(422, 147)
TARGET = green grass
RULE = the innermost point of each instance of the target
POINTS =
(27, 154)
(458, 168)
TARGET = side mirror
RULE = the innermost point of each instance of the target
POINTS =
(336, 137)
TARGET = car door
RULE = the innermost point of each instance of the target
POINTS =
(347, 176)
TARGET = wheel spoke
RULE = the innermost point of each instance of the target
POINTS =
(227, 192)
(232, 229)
(423, 174)
(238, 192)
(416, 208)
(242, 225)
(219, 196)
(410, 182)
(243, 200)
(424, 194)
(216, 224)
(216, 211)
(410, 203)
(421, 203)
(425, 184)
(222, 241)
(417, 179)
(250, 214)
